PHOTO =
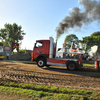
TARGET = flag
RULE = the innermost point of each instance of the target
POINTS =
(79, 46)
(71, 45)
(63, 44)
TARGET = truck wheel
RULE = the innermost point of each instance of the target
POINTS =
(71, 66)
(40, 62)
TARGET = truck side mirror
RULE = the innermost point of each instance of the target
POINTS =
(35, 45)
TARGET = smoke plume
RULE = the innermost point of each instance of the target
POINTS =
(77, 18)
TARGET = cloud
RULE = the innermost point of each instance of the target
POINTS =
(79, 1)
(70, 9)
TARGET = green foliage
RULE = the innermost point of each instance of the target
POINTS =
(96, 33)
(47, 92)
(11, 33)
(69, 39)
(92, 65)
(22, 51)
(93, 39)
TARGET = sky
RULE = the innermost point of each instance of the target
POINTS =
(39, 19)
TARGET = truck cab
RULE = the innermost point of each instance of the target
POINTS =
(41, 49)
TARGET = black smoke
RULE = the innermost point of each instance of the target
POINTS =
(77, 18)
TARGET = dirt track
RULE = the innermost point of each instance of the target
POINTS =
(86, 78)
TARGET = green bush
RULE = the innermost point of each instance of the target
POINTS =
(22, 51)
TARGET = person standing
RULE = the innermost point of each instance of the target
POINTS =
(7, 56)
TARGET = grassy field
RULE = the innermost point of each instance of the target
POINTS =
(30, 62)
(19, 61)
(45, 92)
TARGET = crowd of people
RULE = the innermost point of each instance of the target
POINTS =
(75, 56)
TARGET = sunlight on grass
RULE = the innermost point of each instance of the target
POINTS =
(47, 92)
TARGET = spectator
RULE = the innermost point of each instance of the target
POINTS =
(77, 56)
(7, 56)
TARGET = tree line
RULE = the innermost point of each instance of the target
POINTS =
(11, 33)
(86, 42)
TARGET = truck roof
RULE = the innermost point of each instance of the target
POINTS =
(41, 40)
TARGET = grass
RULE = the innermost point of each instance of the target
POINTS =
(30, 62)
(26, 62)
(46, 92)
(92, 65)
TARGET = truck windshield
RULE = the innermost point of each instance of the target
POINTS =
(38, 44)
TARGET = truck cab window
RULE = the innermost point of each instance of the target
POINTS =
(38, 44)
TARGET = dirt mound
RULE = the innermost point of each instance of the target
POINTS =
(20, 56)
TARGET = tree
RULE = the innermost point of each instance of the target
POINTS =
(11, 33)
(93, 39)
(96, 33)
(72, 38)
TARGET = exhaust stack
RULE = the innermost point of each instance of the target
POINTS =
(51, 47)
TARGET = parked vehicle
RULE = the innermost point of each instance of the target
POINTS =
(1, 51)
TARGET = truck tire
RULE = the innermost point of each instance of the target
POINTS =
(41, 62)
(71, 66)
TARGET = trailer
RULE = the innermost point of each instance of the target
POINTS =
(71, 53)
(44, 53)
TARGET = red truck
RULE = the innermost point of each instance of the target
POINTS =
(44, 53)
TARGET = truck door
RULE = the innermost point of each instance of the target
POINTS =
(38, 49)
(41, 48)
